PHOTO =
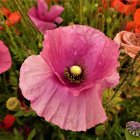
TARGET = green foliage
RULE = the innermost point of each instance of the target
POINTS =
(130, 136)
(32, 134)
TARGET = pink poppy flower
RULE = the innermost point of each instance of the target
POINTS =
(45, 19)
(65, 82)
(5, 59)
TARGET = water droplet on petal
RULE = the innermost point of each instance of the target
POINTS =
(100, 63)
(75, 52)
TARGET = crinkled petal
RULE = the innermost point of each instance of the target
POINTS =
(118, 37)
(129, 41)
(40, 24)
(5, 58)
(51, 100)
(30, 69)
(66, 46)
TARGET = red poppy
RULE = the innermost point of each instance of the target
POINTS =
(134, 25)
(124, 6)
(11, 18)
(8, 121)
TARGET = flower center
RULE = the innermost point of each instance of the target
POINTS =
(75, 74)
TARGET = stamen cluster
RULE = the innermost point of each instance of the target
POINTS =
(74, 78)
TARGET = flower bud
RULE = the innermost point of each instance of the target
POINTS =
(13, 104)
(109, 20)
(100, 129)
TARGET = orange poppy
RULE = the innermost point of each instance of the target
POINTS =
(137, 20)
(137, 17)
(137, 29)
(134, 25)
(124, 6)
(4, 0)
(4, 11)
(11, 18)
(129, 26)
(138, 2)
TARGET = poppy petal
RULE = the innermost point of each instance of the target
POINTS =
(137, 17)
(13, 19)
(40, 24)
(5, 58)
(53, 101)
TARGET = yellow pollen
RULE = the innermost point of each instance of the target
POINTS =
(75, 70)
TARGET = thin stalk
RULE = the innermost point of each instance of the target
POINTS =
(124, 80)
(81, 11)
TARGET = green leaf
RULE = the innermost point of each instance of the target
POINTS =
(130, 136)
(25, 114)
(32, 134)
(18, 136)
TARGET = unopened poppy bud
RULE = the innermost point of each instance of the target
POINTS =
(13, 104)
(100, 129)
(132, 131)
(109, 20)
(96, 5)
